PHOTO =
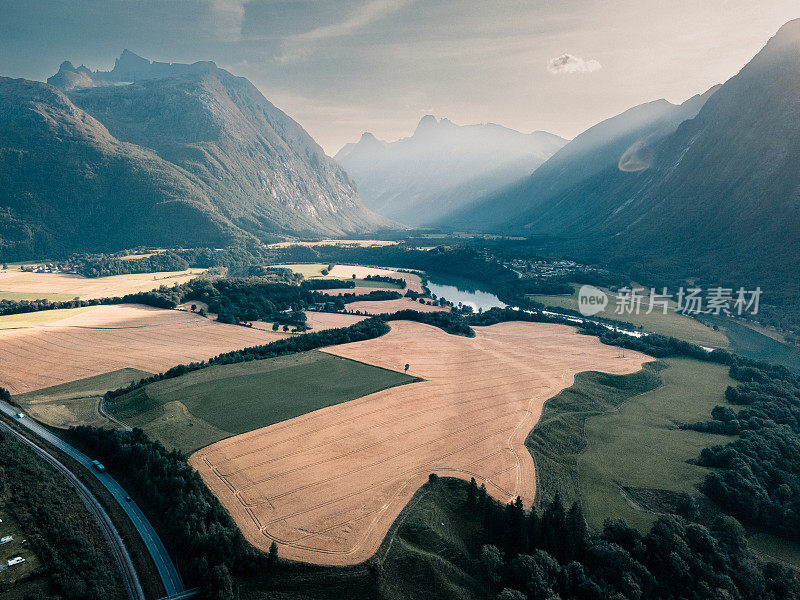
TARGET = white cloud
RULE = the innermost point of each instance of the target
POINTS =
(227, 18)
(299, 47)
(567, 63)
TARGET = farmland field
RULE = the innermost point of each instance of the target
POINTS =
(327, 485)
(314, 270)
(670, 324)
(639, 446)
(205, 406)
(77, 402)
(20, 296)
(377, 307)
(66, 286)
(90, 341)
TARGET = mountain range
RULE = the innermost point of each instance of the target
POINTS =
(160, 154)
(442, 167)
(708, 190)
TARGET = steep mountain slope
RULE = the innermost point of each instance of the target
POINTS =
(67, 183)
(262, 170)
(717, 200)
(441, 167)
(723, 197)
(624, 141)
(160, 154)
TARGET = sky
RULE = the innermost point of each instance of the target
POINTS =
(342, 67)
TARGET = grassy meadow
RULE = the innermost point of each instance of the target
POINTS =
(610, 442)
(76, 402)
(639, 447)
(670, 324)
(205, 406)
(20, 296)
(609, 432)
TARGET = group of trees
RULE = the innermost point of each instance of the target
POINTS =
(198, 532)
(58, 527)
(399, 281)
(756, 476)
(103, 265)
(533, 556)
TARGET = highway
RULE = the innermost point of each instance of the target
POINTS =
(166, 568)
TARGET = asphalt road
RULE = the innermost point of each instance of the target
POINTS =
(166, 568)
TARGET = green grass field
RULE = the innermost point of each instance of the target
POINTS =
(559, 437)
(18, 296)
(386, 285)
(307, 270)
(670, 324)
(608, 431)
(76, 402)
(639, 446)
(205, 406)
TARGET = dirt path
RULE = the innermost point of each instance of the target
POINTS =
(328, 485)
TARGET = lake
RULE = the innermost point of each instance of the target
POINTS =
(463, 290)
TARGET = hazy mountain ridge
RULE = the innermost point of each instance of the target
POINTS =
(441, 166)
(599, 148)
(252, 169)
(716, 199)
(66, 183)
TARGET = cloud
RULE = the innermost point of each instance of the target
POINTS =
(567, 63)
(299, 47)
(227, 17)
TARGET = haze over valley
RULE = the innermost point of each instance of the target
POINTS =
(399, 300)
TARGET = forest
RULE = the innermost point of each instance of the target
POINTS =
(532, 556)
(756, 476)
(59, 528)
(197, 531)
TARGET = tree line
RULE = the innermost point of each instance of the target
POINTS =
(531, 555)
(198, 532)
(756, 476)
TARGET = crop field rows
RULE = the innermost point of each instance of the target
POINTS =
(58, 286)
(107, 338)
(327, 485)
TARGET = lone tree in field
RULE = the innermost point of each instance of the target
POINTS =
(272, 558)
(275, 326)
(194, 307)
(408, 366)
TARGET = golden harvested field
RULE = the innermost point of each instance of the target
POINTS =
(95, 340)
(413, 281)
(85, 288)
(317, 321)
(326, 486)
(377, 307)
